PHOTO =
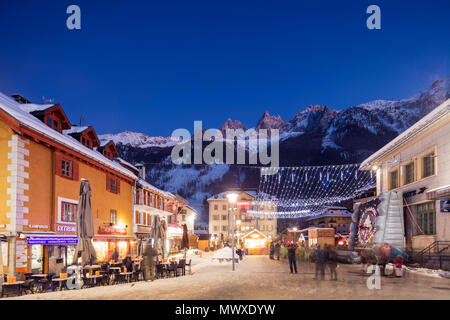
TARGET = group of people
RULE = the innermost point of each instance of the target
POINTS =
(147, 263)
(322, 257)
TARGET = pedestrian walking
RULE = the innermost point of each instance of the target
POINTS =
(277, 250)
(149, 263)
(319, 258)
(331, 261)
(271, 251)
(292, 258)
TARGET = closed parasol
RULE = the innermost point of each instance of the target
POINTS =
(85, 227)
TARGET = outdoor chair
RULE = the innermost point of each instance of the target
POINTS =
(28, 276)
(161, 271)
(28, 286)
(120, 278)
(182, 265)
(188, 266)
(46, 284)
(87, 282)
(172, 268)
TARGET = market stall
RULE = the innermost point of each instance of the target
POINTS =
(255, 243)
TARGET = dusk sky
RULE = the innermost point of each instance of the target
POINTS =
(154, 66)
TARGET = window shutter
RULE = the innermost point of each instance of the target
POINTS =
(118, 185)
(108, 182)
(58, 160)
(75, 174)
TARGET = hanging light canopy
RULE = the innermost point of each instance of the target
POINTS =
(304, 191)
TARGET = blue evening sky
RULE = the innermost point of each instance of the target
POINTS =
(153, 66)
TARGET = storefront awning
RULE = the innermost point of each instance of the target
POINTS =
(51, 239)
(113, 238)
(441, 193)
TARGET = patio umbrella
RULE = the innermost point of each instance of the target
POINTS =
(85, 227)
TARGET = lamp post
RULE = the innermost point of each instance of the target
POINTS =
(232, 197)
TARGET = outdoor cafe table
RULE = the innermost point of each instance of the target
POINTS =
(60, 282)
(95, 278)
(127, 274)
(15, 285)
(39, 275)
(115, 268)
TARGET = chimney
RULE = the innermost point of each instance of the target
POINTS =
(141, 168)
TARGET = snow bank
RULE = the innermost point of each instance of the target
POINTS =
(224, 253)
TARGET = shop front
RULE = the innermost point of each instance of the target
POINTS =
(110, 239)
(44, 253)
(174, 238)
(255, 243)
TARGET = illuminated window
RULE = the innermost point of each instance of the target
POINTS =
(113, 216)
(68, 212)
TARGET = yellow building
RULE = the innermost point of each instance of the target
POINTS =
(43, 159)
(220, 221)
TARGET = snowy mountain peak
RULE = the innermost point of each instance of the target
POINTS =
(140, 140)
(271, 122)
(230, 124)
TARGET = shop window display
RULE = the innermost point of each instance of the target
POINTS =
(36, 259)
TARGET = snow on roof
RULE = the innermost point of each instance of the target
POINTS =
(120, 160)
(13, 108)
(31, 107)
(192, 209)
(147, 185)
(223, 195)
(343, 212)
(438, 114)
(104, 142)
(75, 129)
(255, 231)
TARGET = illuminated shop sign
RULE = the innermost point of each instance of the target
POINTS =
(112, 230)
(66, 229)
(51, 240)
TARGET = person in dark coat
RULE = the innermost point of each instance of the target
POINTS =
(128, 263)
(271, 251)
(331, 261)
(292, 258)
(277, 250)
(115, 255)
(320, 259)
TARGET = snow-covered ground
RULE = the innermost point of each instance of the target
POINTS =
(258, 277)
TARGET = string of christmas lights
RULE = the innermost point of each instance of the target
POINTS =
(292, 192)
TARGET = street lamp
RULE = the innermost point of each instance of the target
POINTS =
(232, 197)
(293, 234)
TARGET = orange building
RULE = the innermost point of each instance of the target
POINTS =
(43, 159)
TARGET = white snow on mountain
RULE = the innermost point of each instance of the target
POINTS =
(140, 140)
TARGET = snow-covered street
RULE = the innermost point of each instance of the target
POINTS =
(258, 277)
